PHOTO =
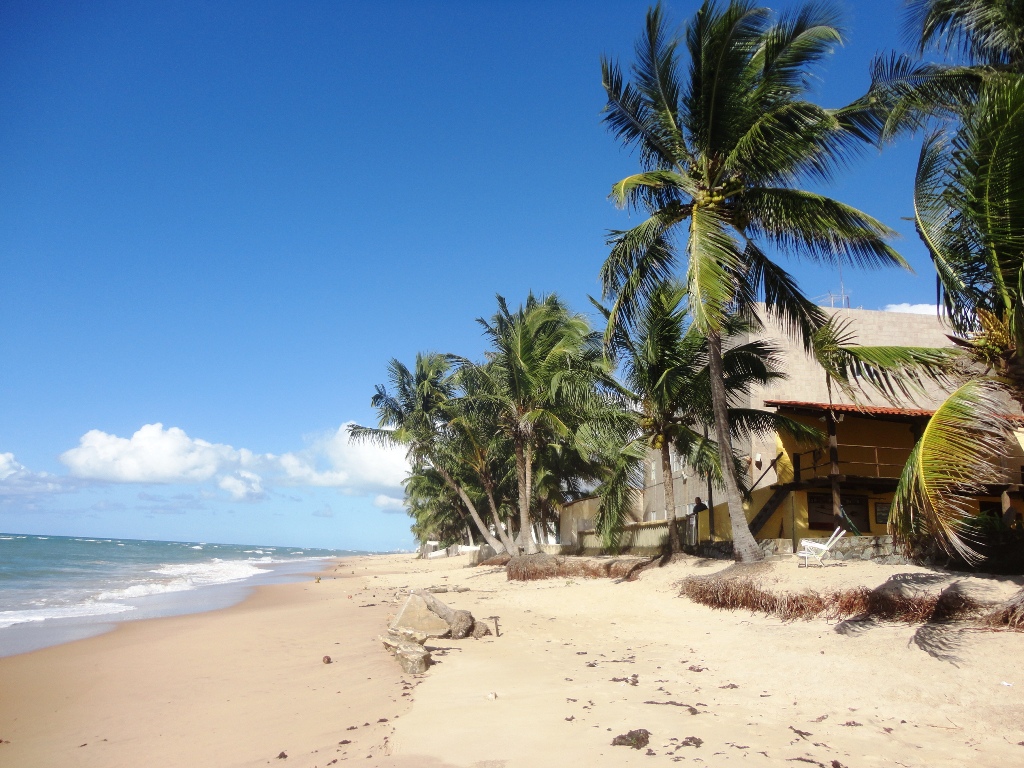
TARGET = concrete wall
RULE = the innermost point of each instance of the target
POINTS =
(644, 539)
(580, 515)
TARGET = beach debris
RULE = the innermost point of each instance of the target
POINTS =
(633, 680)
(650, 751)
(692, 710)
(327, 659)
(730, 685)
(637, 739)
(852, 724)
(696, 668)
(460, 623)
(316, 580)
(802, 734)
(283, 755)
(414, 658)
(417, 616)
(437, 590)
(691, 741)
(492, 695)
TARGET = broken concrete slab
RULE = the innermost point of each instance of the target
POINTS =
(416, 616)
(414, 658)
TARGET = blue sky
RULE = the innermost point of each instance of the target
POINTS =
(225, 218)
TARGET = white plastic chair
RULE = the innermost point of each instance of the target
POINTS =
(813, 550)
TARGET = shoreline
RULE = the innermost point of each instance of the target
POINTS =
(577, 662)
(28, 636)
(234, 686)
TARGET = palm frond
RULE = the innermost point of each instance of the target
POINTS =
(956, 456)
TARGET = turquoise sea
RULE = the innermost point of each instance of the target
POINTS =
(58, 588)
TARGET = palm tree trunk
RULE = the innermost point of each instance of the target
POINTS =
(524, 475)
(745, 549)
(506, 540)
(471, 507)
(674, 544)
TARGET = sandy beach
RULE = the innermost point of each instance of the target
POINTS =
(577, 662)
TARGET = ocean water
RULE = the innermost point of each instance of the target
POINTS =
(58, 588)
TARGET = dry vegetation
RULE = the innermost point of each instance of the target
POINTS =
(736, 588)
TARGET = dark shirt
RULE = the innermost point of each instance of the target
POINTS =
(699, 507)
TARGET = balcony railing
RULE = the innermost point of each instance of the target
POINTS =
(860, 460)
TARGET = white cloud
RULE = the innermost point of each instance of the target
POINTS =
(243, 485)
(9, 466)
(389, 503)
(331, 460)
(16, 479)
(910, 309)
(155, 454)
(151, 455)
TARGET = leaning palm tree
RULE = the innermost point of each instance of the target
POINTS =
(722, 145)
(414, 415)
(969, 202)
(969, 212)
(437, 511)
(542, 373)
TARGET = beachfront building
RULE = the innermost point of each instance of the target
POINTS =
(791, 485)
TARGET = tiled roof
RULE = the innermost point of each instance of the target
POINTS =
(866, 410)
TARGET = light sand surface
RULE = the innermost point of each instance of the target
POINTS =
(228, 688)
(236, 687)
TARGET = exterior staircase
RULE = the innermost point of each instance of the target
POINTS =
(764, 514)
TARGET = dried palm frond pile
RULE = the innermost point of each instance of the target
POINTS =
(891, 601)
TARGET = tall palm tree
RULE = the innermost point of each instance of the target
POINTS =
(722, 146)
(414, 415)
(542, 373)
(667, 384)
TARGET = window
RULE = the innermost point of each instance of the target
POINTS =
(882, 512)
(819, 511)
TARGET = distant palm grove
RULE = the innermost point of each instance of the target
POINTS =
(717, 115)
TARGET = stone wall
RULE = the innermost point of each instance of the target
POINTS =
(878, 549)
(722, 550)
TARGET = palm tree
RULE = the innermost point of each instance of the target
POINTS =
(414, 415)
(438, 512)
(721, 147)
(541, 375)
(480, 445)
(667, 383)
(969, 211)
